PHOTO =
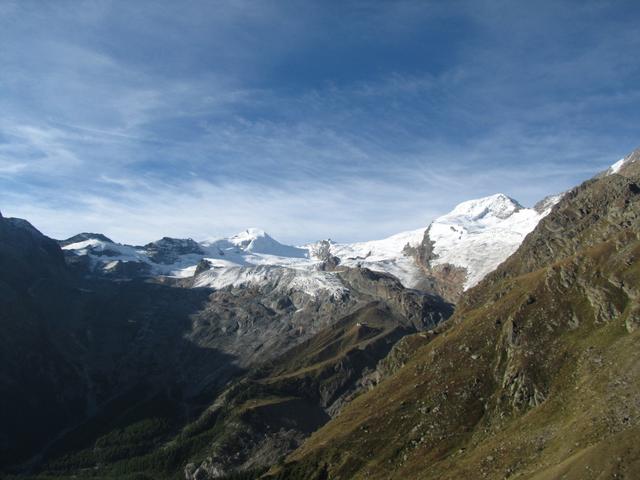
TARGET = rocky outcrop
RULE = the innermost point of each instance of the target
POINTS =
(203, 265)
(311, 381)
(445, 280)
(422, 309)
(322, 251)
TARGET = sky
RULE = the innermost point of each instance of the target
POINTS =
(352, 120)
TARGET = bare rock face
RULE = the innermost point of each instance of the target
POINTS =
(422, 309)
(202, 266)
(202, 472)
(322, 251)
(632, 322)
(445, 280)
(167, 250)
(126, 270)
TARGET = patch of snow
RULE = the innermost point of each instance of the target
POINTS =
(386, 255)
(111, 265)
(186, 272)
(106, 255)
(615, 168)
(479, 235)
(284, 279)
(545, 205)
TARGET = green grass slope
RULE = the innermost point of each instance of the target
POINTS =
(536, 376)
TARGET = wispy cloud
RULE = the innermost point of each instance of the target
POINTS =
(144, 119)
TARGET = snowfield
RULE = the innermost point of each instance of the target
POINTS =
(477, 235)
(283, 279)
(386, 255)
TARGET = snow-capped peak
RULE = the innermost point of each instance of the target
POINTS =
(480, 234)
(257, 241)
(247, 239)
(477, 235)
(180, 257)
(86, 236)
(498, 205)
(248, 235)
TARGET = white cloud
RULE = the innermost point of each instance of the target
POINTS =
(193, 133)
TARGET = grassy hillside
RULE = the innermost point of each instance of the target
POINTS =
(536, 376)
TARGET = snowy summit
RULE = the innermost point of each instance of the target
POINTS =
(476, 236)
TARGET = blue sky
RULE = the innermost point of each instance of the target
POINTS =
(310, 119)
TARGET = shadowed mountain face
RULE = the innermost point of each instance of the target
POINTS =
(33, 287)
(69, 350)
(290, 388)
(99, 372)
(535, 376)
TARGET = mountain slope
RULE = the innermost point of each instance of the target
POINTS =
(86, 358)
(535, 376)
(252, 300)
(107, 375)
(297, 372)
(36, 297)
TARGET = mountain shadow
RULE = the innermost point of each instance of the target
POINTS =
(79, 359)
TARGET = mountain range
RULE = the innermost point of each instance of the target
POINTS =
(472, 239)
(497, 342)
